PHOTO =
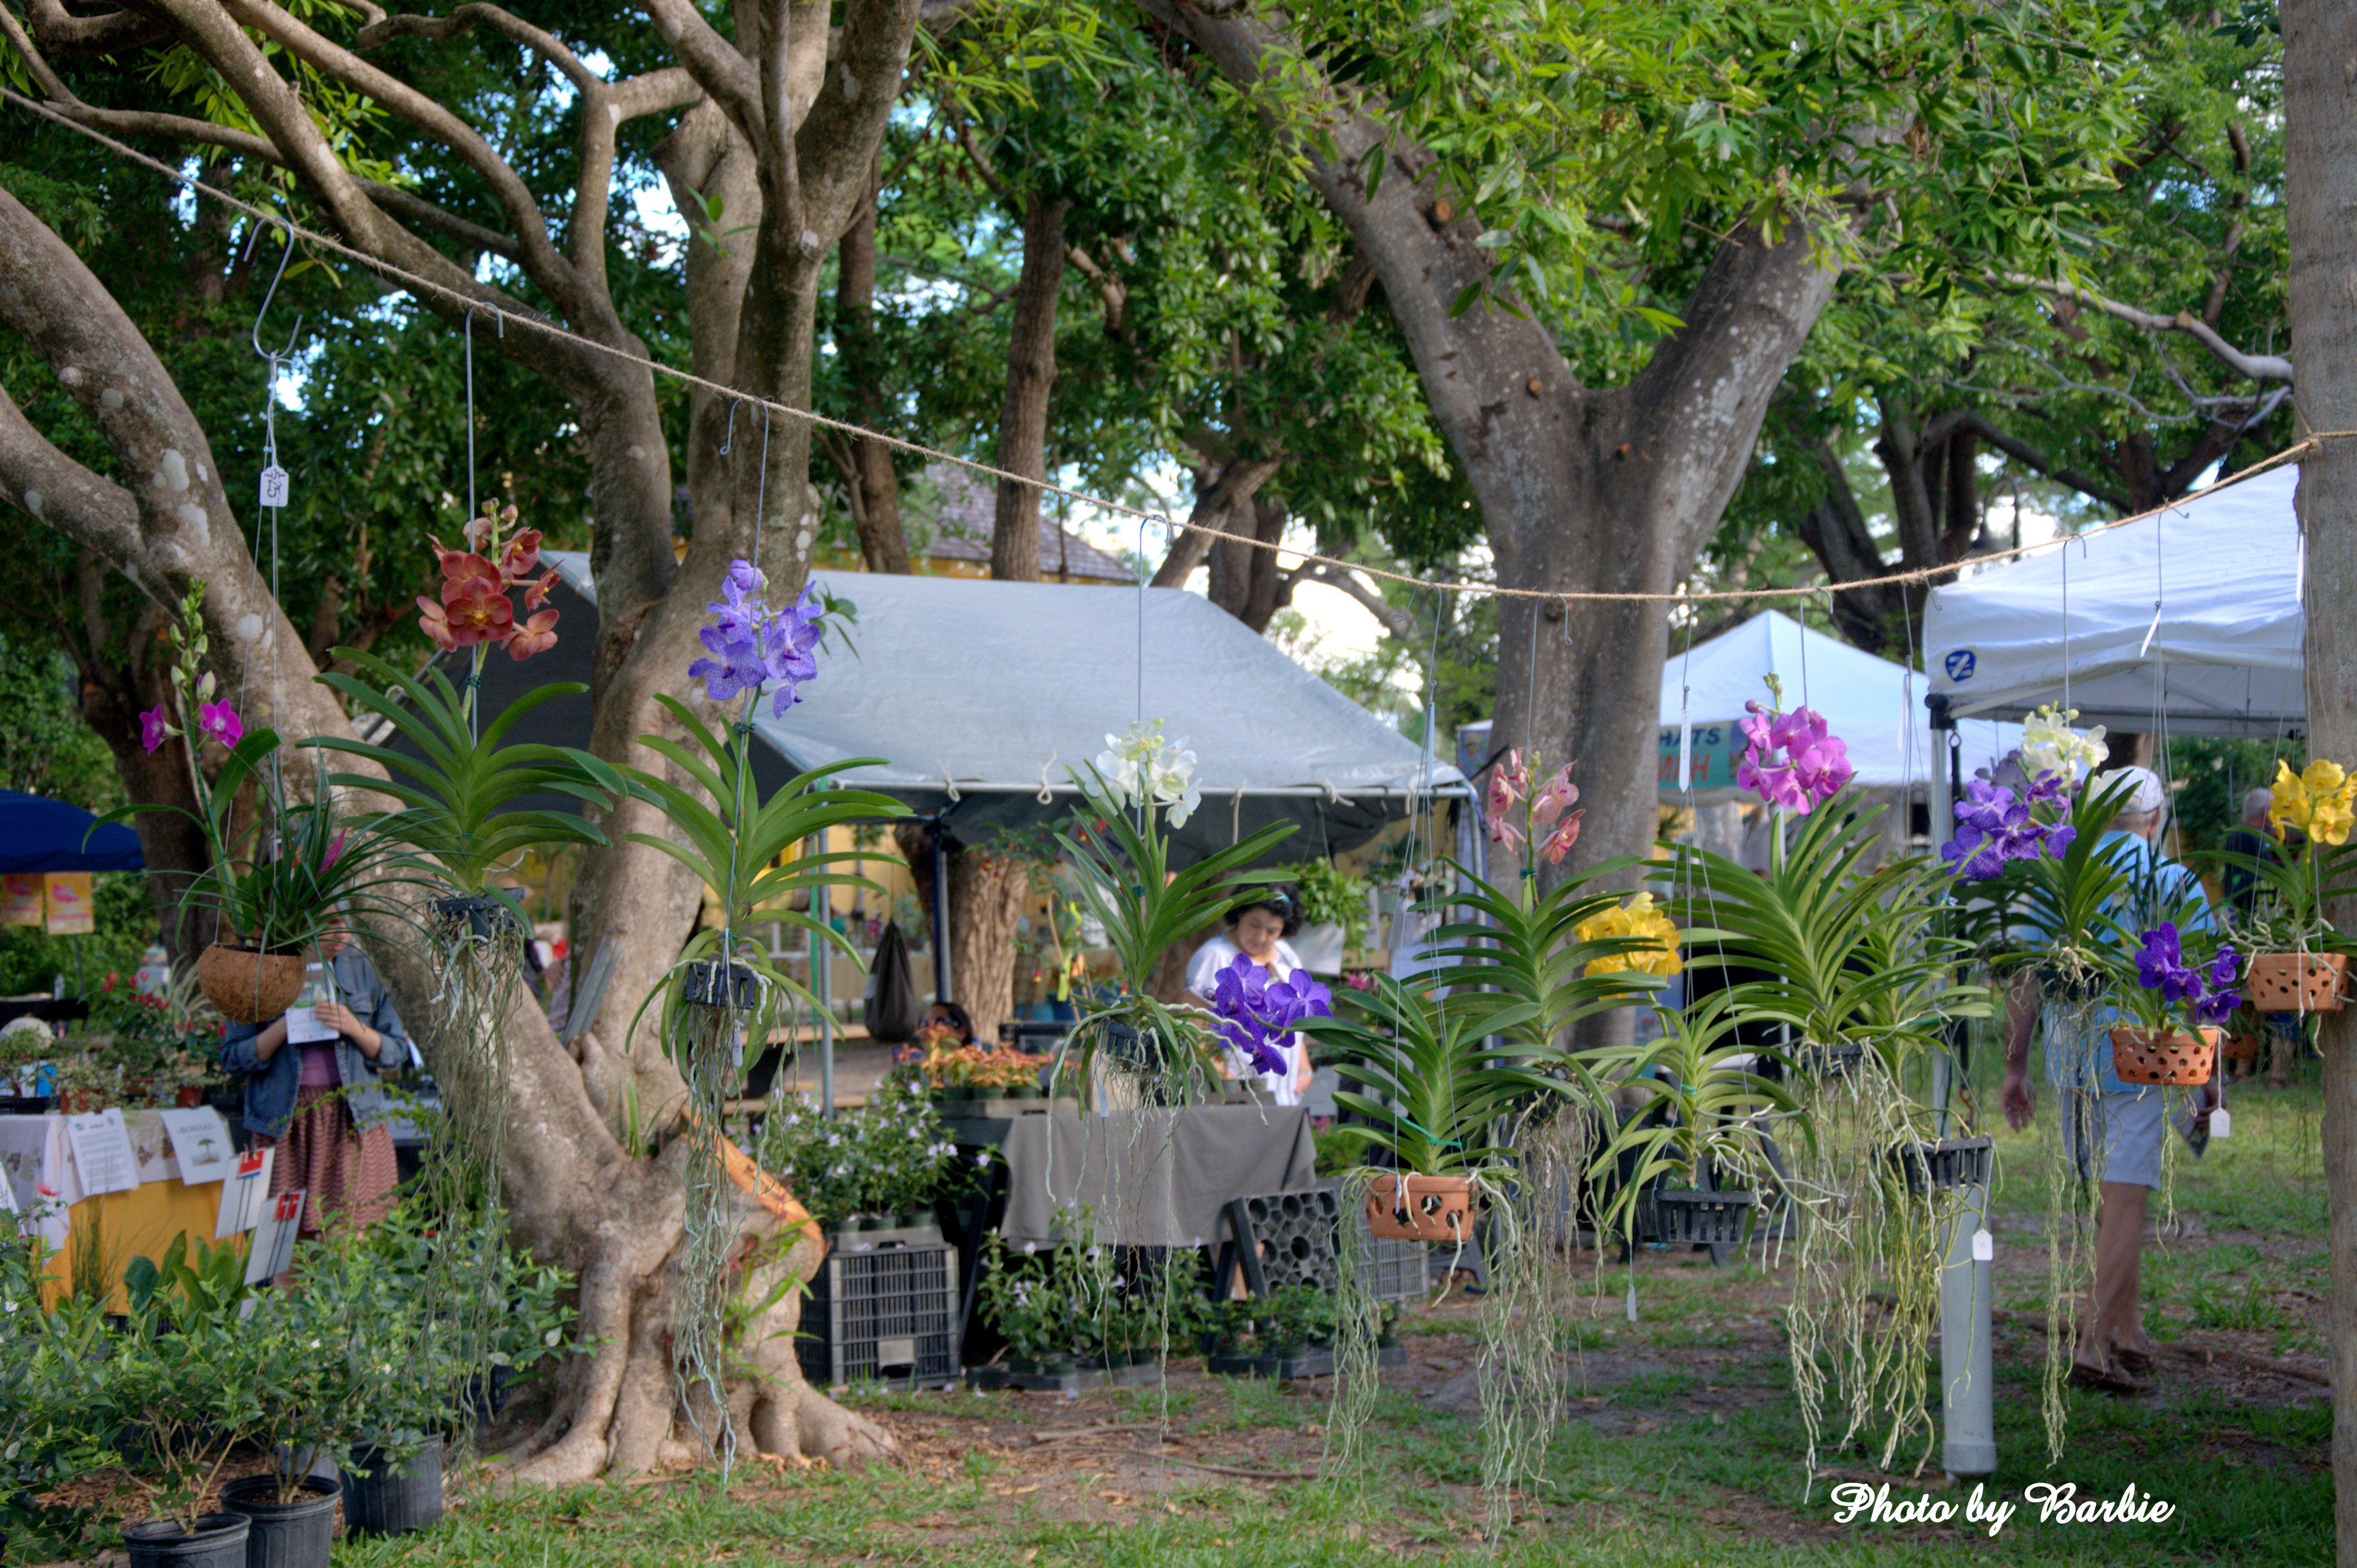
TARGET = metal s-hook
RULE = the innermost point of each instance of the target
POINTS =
(254, 237)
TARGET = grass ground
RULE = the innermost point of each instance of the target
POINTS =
(1682, 1443)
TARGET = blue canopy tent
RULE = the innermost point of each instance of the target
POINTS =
(41, 834)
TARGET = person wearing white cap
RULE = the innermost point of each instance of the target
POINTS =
(2099, 1110)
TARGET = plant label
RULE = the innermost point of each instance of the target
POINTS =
(302, 1027)
(272, 1251)
(1984, 1247)
(2220, 1123)
(245, 1194)
(200, 1143)
(102, 1153)
(274, 486)
(1685, 756)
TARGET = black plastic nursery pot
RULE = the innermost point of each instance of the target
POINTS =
(1945, 1165)
(1680, 1217)
(481, 916)
(710, 984)
(218, 1542)
(380, 1499)
(285, 1535)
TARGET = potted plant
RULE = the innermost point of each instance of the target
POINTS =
(2182, 991)
(1120, 852)
(182, 1379)
(2298, 963)
(1333, 914)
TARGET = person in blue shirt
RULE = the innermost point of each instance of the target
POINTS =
(2098, 1110)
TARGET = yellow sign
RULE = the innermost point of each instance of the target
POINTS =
(67, 896)
(20, 898)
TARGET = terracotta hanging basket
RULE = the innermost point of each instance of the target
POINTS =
(2295, 983)
(250, 986)
(2163, 1056)
(2240, 1048)
(1405, 1207)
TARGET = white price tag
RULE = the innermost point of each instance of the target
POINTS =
(1686, 757)
(274, 486)
(2220, 1123)
(1984, 1247)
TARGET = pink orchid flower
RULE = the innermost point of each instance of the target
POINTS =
(153, 728)
(219, 721)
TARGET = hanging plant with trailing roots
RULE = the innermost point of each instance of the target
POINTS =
(456, 783)
(726, 992)
(1462, 1081)
(1852, 964)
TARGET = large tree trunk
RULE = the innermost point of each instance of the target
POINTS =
(1582, 489)
(987, 897)
(1244, 580)
(870, 484)
(2319, 64)
(795, 137)
(1030, 378)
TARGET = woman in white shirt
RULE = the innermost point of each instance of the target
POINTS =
(1258, 930)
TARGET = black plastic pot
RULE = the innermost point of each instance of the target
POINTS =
(1949, 1163)
(218, 1542)
(483, 915)
(381, 1500)
(710, 984)
(1702, 1218)
(485, 1400)
(285, 1535)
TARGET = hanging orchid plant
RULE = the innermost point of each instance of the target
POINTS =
(1257, 1014)
(474, 609)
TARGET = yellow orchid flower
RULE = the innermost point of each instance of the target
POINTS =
(1639, 917)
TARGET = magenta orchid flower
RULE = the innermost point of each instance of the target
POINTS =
(1791, 760)
(153, 728)
(219, 721)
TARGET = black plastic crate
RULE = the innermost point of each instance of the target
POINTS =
(888, 1316)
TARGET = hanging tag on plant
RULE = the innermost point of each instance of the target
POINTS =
(1685, 755)
(274, 486)
(2220, 1123)
(1984, 1247)
(1632, 1301)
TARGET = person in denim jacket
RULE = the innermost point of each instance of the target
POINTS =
(323, 1105)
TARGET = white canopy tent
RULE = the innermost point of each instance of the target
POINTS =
(980, 695)
(2188, 619)
(1875, 706)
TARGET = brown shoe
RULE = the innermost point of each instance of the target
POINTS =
(2110, 1380)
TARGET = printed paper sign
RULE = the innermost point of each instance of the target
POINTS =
(20, 898)
(102, 1153)
(67, 896)
(274, 486)
(272, 1251)
(245, 1194)
(200, 1142)
(302, 1029)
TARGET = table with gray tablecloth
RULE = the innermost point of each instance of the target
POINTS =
(1150, 1178)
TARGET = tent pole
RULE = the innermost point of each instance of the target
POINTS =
(821, 965)
(941, 978)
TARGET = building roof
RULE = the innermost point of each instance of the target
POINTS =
(969, 503)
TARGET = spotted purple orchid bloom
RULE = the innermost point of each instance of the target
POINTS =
(752, 647)
(1993, 826)
(1791, 758)
(2162, 966)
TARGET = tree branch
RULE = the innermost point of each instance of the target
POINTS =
(111, 32)
(2023, 452)
(1398, 624)
(2258, 367)
(715, 62)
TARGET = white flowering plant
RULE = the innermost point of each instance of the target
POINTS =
(891, 1155)
(2050, 746)
(1125, 876)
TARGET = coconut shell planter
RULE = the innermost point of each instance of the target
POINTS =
(247, 985)
(2295, 983)
(1421, 1207)
(2163, 1056)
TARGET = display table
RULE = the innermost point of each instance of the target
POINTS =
(1146, 1178)
(37, 1162)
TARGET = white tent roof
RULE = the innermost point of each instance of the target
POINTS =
(981, 694)
(2193, 612)
(1875, 706)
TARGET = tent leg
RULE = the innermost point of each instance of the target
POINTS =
(823, 987)
(943, 990)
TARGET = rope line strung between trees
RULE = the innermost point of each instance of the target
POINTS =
(2310, 443)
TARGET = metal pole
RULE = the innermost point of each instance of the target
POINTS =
(942, 986)
(1967, 1412)
(822, 985)
(1968, 1416)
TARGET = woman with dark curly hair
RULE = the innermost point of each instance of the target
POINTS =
(1258, 930)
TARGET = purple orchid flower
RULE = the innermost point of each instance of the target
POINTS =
(1791, 760)
(752, 648)
(153, 728)
(1256, 1015)
(1993, 826)
(219, 721)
